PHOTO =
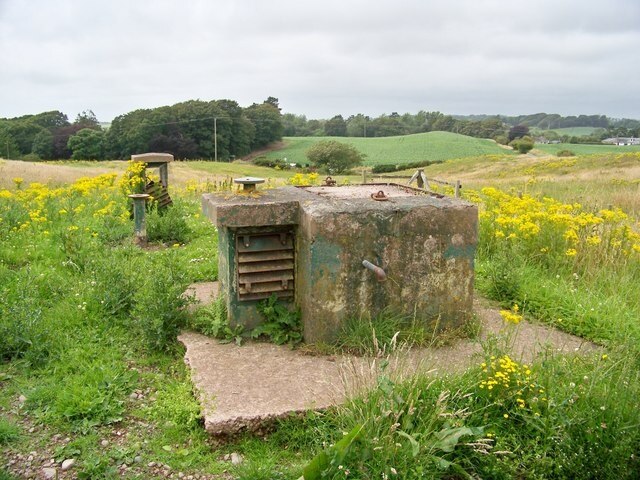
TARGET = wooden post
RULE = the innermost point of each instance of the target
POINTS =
(164, 174)
(139, 220)
(215, 139)
(458, 187)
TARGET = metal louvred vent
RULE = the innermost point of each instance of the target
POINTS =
(265, 265)
(159, 193)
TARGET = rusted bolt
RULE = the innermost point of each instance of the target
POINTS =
(380, 196)
(380, 273)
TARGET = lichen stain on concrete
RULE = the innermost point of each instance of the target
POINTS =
(325, 257)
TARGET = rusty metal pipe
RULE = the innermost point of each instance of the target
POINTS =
(380, 273)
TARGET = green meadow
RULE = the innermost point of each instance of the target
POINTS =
(402, 149)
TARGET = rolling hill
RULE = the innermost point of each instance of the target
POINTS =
(397, 150)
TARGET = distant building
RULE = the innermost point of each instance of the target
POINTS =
(622, 141)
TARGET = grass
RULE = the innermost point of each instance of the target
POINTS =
(396, 150)
(234, 169)
(88, 324)
(389, 331)
(572, 131)
(9, 431)
(585, 149)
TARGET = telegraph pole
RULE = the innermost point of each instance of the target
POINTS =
(215, 139)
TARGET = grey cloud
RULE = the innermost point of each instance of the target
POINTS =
(462, 56)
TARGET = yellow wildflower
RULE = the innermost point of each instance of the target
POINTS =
(594, 240)
(511, 316)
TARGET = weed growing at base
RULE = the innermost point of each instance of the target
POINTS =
(383, 334)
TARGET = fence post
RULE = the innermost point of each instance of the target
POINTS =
(139, 220)
(458, 187)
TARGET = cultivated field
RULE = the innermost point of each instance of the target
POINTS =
(403, 149)
(91, 371)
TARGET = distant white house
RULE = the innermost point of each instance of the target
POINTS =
(622, 141)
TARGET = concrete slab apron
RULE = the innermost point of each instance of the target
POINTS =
(244, 387)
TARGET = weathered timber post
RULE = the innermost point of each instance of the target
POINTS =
(139, 220)
(458, 187)
(421, 178)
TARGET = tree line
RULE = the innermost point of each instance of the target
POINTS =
(223, 129)
(188, 130)
(390, 125)
(481, 126)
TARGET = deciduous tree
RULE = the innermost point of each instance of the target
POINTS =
(335, 127)
(335, 157)
(518, 131)
(87, 144)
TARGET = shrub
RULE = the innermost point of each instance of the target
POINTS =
(565, 153)
(160, 302)
(334, 157)
(386, 167)
(168, 225)
(502, 139)
(272, 163)
(518, 131)
(31, 157)
(522, 145)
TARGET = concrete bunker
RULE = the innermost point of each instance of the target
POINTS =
(339, 252)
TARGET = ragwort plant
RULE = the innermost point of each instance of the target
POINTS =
(559, 258)
(69, 295)
(160, 302)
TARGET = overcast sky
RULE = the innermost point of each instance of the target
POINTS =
(323, 57)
